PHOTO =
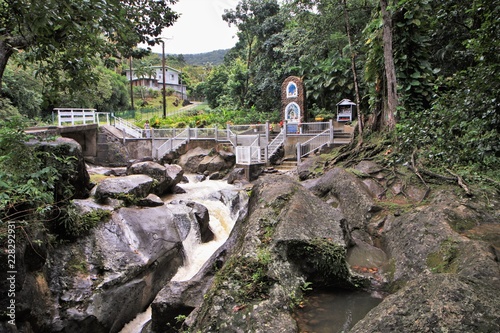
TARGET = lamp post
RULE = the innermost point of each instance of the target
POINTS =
(164, 93)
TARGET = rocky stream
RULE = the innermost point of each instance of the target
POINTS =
(390, 255)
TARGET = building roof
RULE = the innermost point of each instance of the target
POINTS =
(346, 101)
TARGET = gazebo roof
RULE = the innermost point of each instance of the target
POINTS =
(346, 101)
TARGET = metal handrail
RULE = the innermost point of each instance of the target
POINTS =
(173, 143)
(313, 144)
(128, 127)
(274, 145)
(248, 155)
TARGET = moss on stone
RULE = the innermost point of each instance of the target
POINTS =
(445, 259)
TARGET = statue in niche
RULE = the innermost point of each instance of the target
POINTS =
(293, 113)
(291, 90)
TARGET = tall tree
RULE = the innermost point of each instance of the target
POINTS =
(258, 21)
(389, 119)
(353, 68)
(69, 35)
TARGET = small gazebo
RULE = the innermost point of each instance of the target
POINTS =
(344, 110)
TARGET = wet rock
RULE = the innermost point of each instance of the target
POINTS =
(237, 174)
(199, 160)
(436, 303)
(215, 176)
(355, 201)
(188, 212)
(124, 261)
(133, 186)
(166, 176)
(151, 200)
(283, 217)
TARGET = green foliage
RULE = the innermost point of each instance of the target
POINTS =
(461, 129)
(323, 261)
(66, 42)
(250, 275)
(34, 182)
(24, 90)
(412, 57)
(26, 185)
(72, 224)
(7, 110)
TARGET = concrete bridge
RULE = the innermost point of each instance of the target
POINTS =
(85, 135)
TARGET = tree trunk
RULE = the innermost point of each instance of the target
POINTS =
(5, 53)
(389, 119)
(355, 77)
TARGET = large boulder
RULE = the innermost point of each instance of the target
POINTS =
(128, 188)
(76, 177)
(166, 176)
(191, 211)
(125, 261)
(262, 276)
(200, 160)
(346, 192)
(436, 303)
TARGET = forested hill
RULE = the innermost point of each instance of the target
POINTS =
(215, 58)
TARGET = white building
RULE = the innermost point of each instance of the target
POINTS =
(172, 79)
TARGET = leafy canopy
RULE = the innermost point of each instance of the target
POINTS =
(69, 36)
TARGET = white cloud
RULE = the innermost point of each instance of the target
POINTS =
(200, 28)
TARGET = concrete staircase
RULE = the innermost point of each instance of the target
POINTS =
(286, 166)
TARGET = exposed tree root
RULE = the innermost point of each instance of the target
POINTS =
(356, 152)
(461, 182)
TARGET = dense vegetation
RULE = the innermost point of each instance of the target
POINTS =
(424, 74)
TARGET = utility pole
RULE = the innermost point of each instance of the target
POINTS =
(131, 84)
(164, 93)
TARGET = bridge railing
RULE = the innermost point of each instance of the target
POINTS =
(177, 139)
(75, 116)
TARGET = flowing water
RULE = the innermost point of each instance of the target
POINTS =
(196, 253)
(334, 311)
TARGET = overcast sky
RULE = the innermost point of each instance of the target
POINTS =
(200, 28)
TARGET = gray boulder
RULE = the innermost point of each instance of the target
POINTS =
(259, 282)
(200, 160)
(346, 192)
(186, 211)
(436, 303)
(103, 280)
(167, 176)
(129, 188)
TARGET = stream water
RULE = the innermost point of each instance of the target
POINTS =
(334, 311)
(325, 311)
(196, 252)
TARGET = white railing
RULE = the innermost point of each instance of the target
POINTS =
(172, 144)
(129, 128)
(249, 155)
(102, 114)
(276, 143)
(313, 144)
(75, 116)
(248, 129)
